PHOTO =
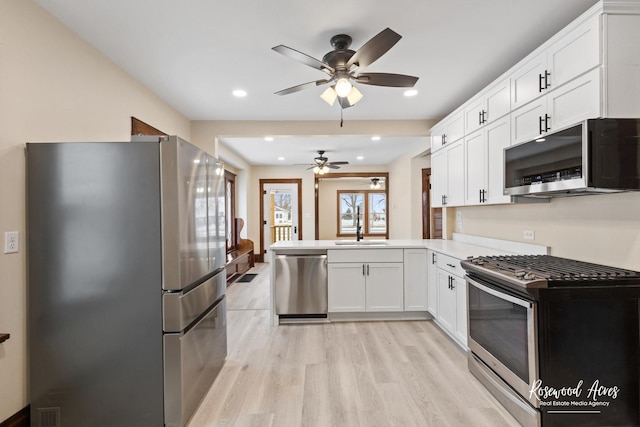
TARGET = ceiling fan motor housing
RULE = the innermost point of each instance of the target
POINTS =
(338, 58)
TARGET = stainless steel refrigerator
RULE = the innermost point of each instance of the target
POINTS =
(126, 281)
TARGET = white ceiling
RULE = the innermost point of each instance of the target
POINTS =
(194, 53)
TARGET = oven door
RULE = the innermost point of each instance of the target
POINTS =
(503, 335)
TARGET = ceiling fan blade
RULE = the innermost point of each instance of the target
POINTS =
(374, 48)
(332, 166)
(386, 79)
(302, 87)
(303, 58)
(339, 163)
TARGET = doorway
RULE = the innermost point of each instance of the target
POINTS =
(281, 212)
(431, 218)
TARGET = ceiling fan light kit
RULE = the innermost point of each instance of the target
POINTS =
(343, 65)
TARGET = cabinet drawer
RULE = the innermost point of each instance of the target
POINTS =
(450, 264)
(365, 255)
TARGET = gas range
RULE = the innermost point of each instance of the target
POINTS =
(546, 271)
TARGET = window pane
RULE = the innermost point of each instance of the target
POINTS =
(377, 213)
(348, 204)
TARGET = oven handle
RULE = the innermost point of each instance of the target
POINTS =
(501, 295)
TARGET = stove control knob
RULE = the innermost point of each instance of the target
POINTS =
(529, 276)
(520, 274)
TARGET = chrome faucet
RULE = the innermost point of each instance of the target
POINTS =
(358, 227)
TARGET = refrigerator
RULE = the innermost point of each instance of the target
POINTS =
(126, 281)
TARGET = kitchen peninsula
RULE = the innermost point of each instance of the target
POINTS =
(398, 279)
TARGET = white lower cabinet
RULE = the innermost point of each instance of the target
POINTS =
(365, 280)
(346, 289)
(451, 290)
(432, 283)
(416, 296)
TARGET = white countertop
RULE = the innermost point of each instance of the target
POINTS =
(453, 248)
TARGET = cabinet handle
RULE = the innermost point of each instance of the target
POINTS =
(546, 122)
(479, 117)
(367, 269)
(444, 199)
(480, 196)
(363, 269)
(433, 258)
(541, 122)
(547, 79)
(484, 116)
(540, 78)
(451, 265)
(453, 283)
(483, 197)
(444, 138)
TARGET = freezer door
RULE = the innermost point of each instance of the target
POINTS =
(184, 214)
(192, 361)
(216, 213)
(179, 309)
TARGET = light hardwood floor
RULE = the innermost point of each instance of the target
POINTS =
(365, 374)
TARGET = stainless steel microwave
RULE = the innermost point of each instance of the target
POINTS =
(594, 156)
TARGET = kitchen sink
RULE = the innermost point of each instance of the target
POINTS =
(361, 242)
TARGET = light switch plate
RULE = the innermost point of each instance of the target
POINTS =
(529, 235)
(11, 242)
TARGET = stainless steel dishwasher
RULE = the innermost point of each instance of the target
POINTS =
(301, 283)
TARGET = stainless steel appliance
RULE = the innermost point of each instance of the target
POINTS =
(301, 283)
(594, 156)
(557, 341)
(126, 285)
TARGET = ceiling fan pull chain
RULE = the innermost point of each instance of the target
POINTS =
(341, 121)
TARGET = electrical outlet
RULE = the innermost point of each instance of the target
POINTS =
(529, 234)
(11, 242)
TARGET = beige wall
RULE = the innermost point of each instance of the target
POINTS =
(603, 229)
(53, 86)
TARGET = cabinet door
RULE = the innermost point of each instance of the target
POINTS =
(346, 287)
(460, 290)
(446, 302)
(384, 286)
(475, 151)
(575, 101)
(455, 175)
(474, 114)
(432, 283)
(497, 138)
(437, 140)
(525, 122)
(438, 178)
(525, 81)
(498, 101)
(415, 280)
(454, 127)
(575, 53)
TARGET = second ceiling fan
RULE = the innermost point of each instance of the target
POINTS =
(343, 65)
(321, 164)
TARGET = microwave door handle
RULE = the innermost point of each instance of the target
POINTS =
(498, 294)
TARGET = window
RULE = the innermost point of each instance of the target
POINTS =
(373, 213)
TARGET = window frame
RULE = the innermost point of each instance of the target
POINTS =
(365, 215)
(230, 210)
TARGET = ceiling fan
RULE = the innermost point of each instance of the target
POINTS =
(343, 65)
(321, 164)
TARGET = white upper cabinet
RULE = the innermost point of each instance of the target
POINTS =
(484, 162)
(448, 131)
(576, 51)
(577, 100)
(489, 105)
(447, 167)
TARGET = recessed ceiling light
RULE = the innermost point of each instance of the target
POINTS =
(281, 158)
(239, 93)
(268, 138)
(375, 138)
(410, 92)
(360, 157)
